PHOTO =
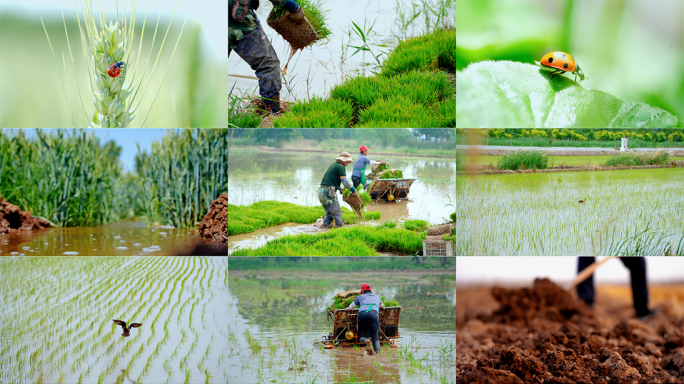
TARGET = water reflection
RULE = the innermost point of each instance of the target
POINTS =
(294, 177)
(123, 238)
(277, 317)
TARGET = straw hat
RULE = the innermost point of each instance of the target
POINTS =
(345, 157)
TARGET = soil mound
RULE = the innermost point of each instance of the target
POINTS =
(12, 218)
(544, 300)
(543, 334)
(215, 223)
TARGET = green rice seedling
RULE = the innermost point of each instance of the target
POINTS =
(317, 113)
(182, 175)
(523, 160)
(117, 98)
(428, 52)
(388, 224)
(415, 225)
(447, 111)
(398, 112)
(313, 12)
(351, 241)
(263, 214)
(637, 159)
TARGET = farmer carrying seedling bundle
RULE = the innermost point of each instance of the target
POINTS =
(332, 180)
(368, 317)
(247, 38)
(359, 173)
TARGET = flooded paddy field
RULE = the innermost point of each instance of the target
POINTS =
(123, 238)
(635, 212)
(57, 319)
(278, 316)
(256, 175)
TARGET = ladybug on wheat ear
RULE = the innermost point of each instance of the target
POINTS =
(561, 62)
(115, 69)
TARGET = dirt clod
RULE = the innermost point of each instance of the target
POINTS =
(215, 223)
(12, 218)
(542, 334)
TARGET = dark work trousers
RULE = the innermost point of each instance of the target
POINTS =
(369, 326)
(637, 270)
(356, 180)
(257, 51)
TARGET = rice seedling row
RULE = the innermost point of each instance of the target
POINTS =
(628, 212)
(61, 337)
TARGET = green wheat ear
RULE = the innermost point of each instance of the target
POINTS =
(114, 99)
(110, 93)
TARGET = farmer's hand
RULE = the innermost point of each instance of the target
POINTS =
(347, 309)
(353, 190)
(382, 162)
(297, 16)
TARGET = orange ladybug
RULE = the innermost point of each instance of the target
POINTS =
(561, 62)
(115, 69)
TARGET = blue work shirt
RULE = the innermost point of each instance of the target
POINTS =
(359, 163)
(367, 300)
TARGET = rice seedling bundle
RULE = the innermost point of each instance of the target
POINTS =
(182, 175)
(297, 35)
(317, 113)
(67, 177)
(415, 225)
(345, 302)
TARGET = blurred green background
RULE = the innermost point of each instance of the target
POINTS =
(193, 94)
(632, 49)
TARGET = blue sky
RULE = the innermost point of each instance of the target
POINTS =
(124, 138)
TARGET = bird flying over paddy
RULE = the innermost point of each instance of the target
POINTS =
(126, 330)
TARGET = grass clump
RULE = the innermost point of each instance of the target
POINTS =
(415, 225)
(317, 113)
(453, 218)
(313, 13)
(351, 241)
(427, 52)
(263, 214)
(636, 159)
(523, 160)
(244, 119)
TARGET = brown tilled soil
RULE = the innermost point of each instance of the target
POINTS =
(542, 334)
(215, 223)
(12, 218)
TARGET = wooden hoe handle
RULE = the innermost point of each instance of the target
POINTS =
(586, 272)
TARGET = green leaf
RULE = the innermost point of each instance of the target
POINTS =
(505, 94)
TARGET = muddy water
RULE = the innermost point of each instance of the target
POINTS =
(256, 175)
(277, 317)
(123, 238)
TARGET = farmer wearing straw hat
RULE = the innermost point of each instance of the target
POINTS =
(368, 317)
(332, 180)
(359, 173)
(248, 40)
